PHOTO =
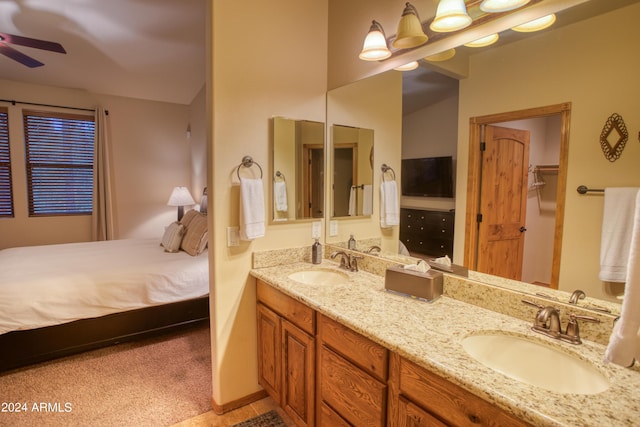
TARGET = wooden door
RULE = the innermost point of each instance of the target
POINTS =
(269, 359)
(503, 202)
(298, 374)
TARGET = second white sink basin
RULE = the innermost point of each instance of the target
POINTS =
(319, 277)
(535, 363)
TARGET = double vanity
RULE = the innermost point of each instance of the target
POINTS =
(334, 348)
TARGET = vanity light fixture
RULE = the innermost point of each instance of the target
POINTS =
(408, 67)
(410, 33)
(451, 15)
(495, 6)
(484, 41)
(180, 197)
(442, 56)
(375, 44)
(536, 24)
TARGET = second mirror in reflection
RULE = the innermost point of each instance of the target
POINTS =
(352, 171)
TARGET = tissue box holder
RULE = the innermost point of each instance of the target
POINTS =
(426, 286)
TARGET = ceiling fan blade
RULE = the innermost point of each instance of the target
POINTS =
(34, 43)
(19, 56)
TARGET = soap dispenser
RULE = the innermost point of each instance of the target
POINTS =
(316, 252)
(352, 243)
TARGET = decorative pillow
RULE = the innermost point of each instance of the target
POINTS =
(188, 217)
(195, 240)
(173, 235)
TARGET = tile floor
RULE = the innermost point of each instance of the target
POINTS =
(211, 419)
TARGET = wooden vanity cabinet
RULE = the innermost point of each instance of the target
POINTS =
(418, 397)
(352, 375)
(286, 352)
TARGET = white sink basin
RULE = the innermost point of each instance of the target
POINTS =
(319, 277)
(535, 363)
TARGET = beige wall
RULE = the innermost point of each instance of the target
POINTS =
(591, 65)
(150, 156)
(269, 59)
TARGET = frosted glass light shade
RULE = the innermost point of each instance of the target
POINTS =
(410, 32)
(375, 44)
(536, 24)
(442, 56)
(451, 15)
(408, 67)
(495, 6)
(484, 41)
(180, 196)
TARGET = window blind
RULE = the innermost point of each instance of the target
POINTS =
(59, 151)
(6, 191)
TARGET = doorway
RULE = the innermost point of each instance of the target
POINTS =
(473, 235)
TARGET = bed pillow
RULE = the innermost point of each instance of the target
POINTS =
(188, 217)
(173, 236)
(195, 239)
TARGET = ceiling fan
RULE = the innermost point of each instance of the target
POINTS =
(6, 50)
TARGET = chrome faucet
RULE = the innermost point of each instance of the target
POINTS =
(373, 249)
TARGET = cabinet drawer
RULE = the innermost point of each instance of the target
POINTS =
(411, 415)
(449, 402)
(371, 357)
(297, 313)
(359, 398)
(328, 417)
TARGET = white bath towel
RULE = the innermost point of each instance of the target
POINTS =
(251, 209)
(389, 204)
(617, 221)
(367, 200)
(280, 196)
(353, 201)
(624, 342)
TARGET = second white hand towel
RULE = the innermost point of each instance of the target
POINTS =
(389, 206)
(251, 209)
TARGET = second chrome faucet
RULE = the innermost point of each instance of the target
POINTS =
(547, 322)
(347, 261)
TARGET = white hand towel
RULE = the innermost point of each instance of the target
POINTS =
(280, 195)
(352, 201)
(389, 206)
(624, 342)
(251, 209)
(367, 200)
(618, 213)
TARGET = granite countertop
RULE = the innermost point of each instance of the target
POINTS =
(430, 335)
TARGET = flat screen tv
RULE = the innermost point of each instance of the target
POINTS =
(427, 177)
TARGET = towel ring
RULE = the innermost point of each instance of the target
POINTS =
(247, 162)
(280, 175)
(385, 168)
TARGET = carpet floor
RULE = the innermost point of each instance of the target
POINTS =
(154, 382)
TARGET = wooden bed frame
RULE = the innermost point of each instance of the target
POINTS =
(21, 348)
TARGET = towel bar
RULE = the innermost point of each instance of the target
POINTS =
(385, 168)
(583, 189)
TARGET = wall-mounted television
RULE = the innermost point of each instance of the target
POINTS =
(428, 177)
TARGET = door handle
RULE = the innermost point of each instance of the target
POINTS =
(523, 229)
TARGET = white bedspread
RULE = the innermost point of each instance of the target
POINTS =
(54, 284)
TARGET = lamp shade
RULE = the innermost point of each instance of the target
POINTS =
(408, 67)
(180, 196)
(451, 15)
(375, 44)
(441, 56)
(494, 6)
(484, 41)
(536, 24)
(410, 32)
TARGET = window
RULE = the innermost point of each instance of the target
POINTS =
(59, 151)
(6, 192)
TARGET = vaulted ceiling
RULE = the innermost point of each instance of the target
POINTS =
(148, 49)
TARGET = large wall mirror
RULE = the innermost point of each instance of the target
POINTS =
(298, 170)
(352, 171)
(558, 66)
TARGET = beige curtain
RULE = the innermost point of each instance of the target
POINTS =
(102, 218)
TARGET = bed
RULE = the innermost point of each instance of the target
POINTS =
(57, 300)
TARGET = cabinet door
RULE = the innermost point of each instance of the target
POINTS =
(410, 415)
(269, 359)
(356, 396)
(298, 374)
